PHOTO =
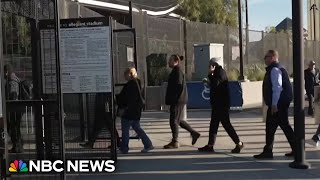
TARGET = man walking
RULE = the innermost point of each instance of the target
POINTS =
(311, 78)
(220, 104)
(14, 113)
(277, 94)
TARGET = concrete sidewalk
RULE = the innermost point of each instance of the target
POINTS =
(186, 163)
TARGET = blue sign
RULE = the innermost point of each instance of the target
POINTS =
(199, 95)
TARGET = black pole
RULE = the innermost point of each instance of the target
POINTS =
(314, 8)
(247, 32)
(314, 24)
(130, 15)
(298, 71)
(59, 88)
(241, 77)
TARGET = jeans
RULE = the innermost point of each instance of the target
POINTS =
(135, 124)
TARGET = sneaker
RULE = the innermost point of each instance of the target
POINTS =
(206, 148)
(264, 155)
(145, 150)
(195, 137)
(171, 145)
(290, 154)
(315, 138)
(87, 145)
(238, 148)
(318, 144)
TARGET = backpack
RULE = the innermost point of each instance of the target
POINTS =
(25, 90)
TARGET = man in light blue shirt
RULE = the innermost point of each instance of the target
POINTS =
(277, 94)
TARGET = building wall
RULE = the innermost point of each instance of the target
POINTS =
(70, 9)
(311, 27)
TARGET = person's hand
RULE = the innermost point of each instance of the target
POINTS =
(204, 80)
(274, 110)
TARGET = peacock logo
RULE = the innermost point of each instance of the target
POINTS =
(18, 166)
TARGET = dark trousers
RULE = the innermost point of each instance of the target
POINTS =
(222, 116)
(14, 127)
(100, 123)
(176, 121)
(273, 121)
(311, 107)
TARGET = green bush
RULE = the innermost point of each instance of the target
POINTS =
(255, 72)
(233, 74)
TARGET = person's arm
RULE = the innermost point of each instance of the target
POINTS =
(219, 78)
(276, 80)
(179, 82)
(121, 97)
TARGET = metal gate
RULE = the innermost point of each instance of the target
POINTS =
(32, 121)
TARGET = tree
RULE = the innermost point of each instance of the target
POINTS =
(271, 29)
(224, 12)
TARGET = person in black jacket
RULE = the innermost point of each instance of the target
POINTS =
(220, 104)
(311, 78)
(130, 98)
(103, 118)
(12, 88)
(177, 98)
(277, 94)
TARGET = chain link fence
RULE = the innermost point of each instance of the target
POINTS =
(158, 38)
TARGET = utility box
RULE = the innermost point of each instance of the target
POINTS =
(202, 54)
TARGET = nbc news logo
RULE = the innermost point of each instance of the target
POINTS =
(18, 166)
(84, 166)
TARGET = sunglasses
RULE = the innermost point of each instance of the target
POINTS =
(265, 57)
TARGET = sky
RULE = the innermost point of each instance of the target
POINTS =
(263, 13)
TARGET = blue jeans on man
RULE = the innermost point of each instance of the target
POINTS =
(135, 124)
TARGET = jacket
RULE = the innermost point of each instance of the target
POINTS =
(286, 95)
(131, 99)
(219, 89)
(177, 88)
(311, 80)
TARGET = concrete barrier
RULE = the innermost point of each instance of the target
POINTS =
(153, 98)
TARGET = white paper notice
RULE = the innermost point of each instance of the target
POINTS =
(85, 54)
(86, 59)
(130, 54)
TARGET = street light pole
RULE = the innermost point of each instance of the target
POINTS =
(241, 77)
(298, 71)
(247, 33)
(314, 8)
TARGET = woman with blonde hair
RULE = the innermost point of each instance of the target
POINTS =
(130, 100)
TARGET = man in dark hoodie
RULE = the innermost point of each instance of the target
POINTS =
(311, 78)
(277, 94)
(177, 98)
(14, 117)
(220, 104)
